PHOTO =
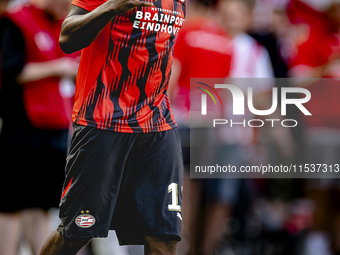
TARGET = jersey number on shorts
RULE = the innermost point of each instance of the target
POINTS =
(174, 206)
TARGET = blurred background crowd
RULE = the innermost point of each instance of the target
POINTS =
(220, 38)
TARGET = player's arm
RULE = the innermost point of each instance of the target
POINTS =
(81, 27)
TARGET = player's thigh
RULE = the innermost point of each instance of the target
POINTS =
(159, 245)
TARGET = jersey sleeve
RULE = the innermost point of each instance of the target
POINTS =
(88, 5)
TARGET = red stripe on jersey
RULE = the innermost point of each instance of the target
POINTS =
(67, 188)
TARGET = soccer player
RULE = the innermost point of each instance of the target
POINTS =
(124, 167)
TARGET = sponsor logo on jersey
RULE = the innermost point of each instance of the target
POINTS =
(167, 22)
(85, 220)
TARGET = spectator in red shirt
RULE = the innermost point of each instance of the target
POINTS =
(35, 107)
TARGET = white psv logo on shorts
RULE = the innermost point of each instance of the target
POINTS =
(85, 220)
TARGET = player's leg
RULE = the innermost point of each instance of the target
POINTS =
(192, 199)
(159, 246)
(59, 245)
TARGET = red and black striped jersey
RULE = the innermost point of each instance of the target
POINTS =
(123, 75)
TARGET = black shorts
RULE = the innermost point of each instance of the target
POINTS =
(131, 183)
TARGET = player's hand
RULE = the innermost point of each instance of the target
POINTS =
(121, 6)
